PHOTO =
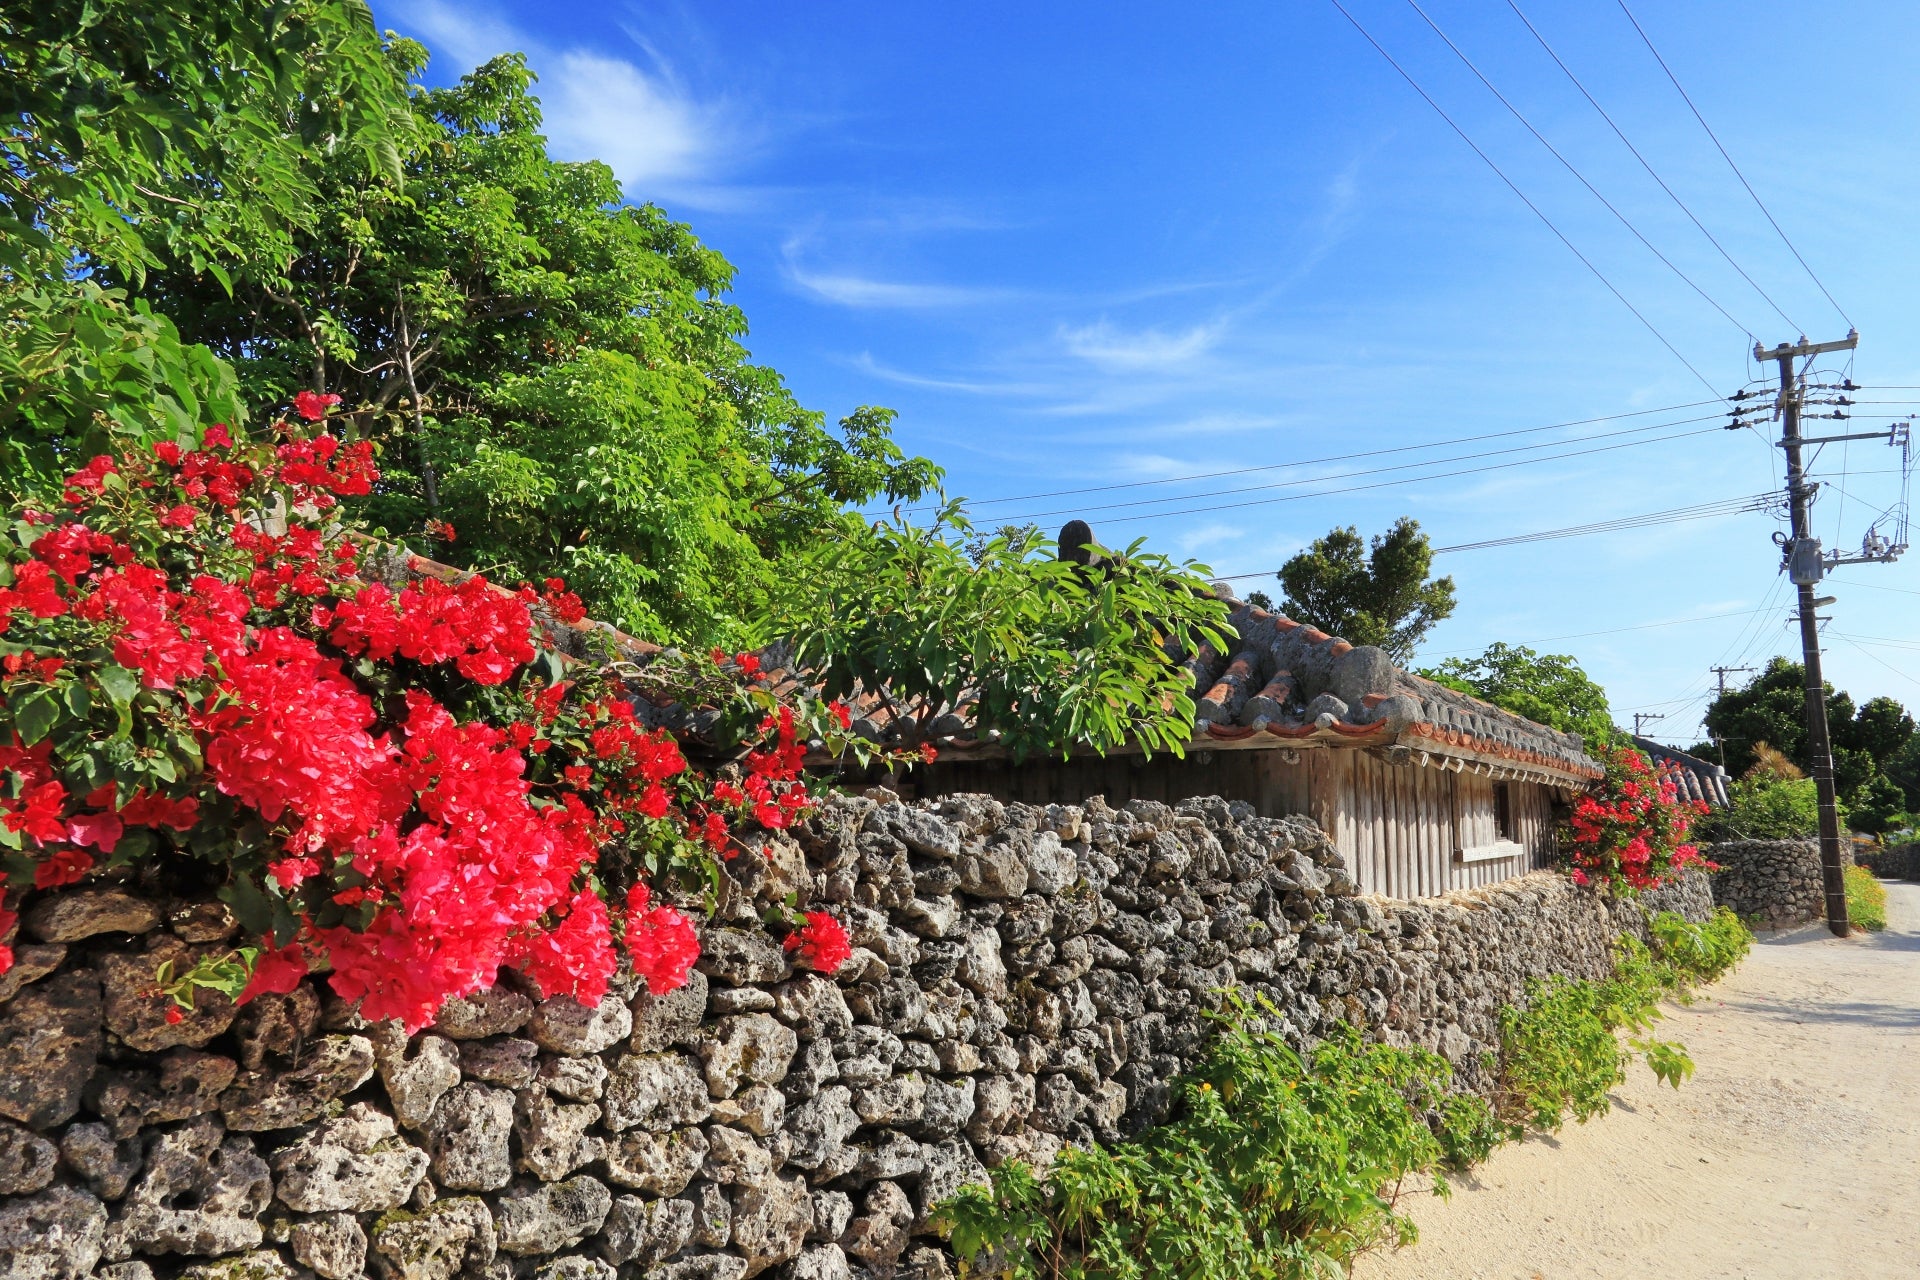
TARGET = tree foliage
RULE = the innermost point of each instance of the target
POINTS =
(1548, 689)
(1379, 595)
(555, 374)
(1050, 653)
(1771, 709)
(149, 135)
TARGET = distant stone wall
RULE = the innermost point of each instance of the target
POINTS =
(1023, 977)
(1774, 882)
(1894, 862)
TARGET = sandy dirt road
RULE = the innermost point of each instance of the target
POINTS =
(1792, 1154)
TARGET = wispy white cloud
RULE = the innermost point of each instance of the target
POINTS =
(638, 117)
(1211, 534)
(975, 387)
(1110, 347)
(851, 289)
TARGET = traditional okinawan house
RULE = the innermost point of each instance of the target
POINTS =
(1692, 777)
(1426, 790)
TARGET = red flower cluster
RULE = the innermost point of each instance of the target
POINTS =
(1630, 832)
(411, 852)
(821, 943)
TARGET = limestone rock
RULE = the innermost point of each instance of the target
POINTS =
(31, 962)
(276, 1024)
(712, 1215)
(666, 1021)
(660, 1164)
(334, 1246)
(747, 1047)
(822, 1262)
(414, 1085)
(468, 1138)
(136, 1011)
(189, 1083)
(947, 1108)
(108, 1166)
(832, 1211)
(82, 913)
(511, 1062)
(577, 1079)
(701, 1266)
(740, 958)
(552, 1216)
(897, 1100)
(820, 1126)
(262, 1264)
(437, 1243)
(565, 1026)
(813, 1006)
(203, 922)
(50, 1038)
(496, 1011)
(553, 1136)
(994, 871)
(56, 1235)
(770, 1221)
(202, 1193)
(879, 1236)
(354, 1162)
(655, 1091)
(26, 1159)
(760, 1110)
(645, 1231)
(332, 1066)
(735, 1156)
(950, 1165)
(575, 1267)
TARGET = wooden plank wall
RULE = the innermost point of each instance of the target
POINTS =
(1398, 825)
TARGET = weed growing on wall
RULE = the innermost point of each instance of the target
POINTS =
(1866, 899)
(1562, 1053)
(1278, 1165)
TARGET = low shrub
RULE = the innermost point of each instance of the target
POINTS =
(1561, 1054)
(1866, 899)
(1277, 1166)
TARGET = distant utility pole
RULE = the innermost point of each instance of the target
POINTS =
(1641, 719)
(1806, 564)
(1724, 672)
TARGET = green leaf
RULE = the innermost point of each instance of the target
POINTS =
(35, 715)
(250, 906)
(120, 684)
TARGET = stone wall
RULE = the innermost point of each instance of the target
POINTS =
(1892, 862)
(1776, 883)
(1023, 977)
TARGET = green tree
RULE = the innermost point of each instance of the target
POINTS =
(147, 134)
(1052, 654)
(1771, 708)
(1379, 595)
(557, 375)
(1877, 807)
(1550, 689)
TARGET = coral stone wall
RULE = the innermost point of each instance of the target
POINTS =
(1774, 882)
(1023, 977)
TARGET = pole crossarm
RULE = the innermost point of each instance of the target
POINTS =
(1799, 350)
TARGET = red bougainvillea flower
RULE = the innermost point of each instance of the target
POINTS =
(38, 812)
(65, 866)
(841, 713)
(290, 873)
(276, 972)
(575, 958)
(101, 830)
(7, 920)
(821, 944)
(173, 1015)
(313, 406)
(661, 941)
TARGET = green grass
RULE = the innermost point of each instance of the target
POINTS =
(1866, 899)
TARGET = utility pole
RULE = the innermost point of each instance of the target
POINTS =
(1641, 719)
(1724, 672)
(1806, 566)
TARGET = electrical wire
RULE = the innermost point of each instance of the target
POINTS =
(1645, 164)
(1572, 169)
(1371, 471)
(1648, 41)
(1511, 186)
(1888, 665)
(1339, 457)
(1610, 631)
(1380, 484)
(1676, 515)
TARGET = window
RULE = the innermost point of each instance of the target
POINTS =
(1503, 811)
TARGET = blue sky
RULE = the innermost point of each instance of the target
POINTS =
(1082, 246)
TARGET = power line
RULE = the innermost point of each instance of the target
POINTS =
(1501, 174)
(1644, 626)
(1727, 506)
(1381, 484)
(1648, 41)
(1570, 168)
(1340, 457)
(1369, 471)
(1644, 164)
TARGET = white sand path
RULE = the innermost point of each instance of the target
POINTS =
(1793, 1153)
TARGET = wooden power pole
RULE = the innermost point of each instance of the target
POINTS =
(1806, 566)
